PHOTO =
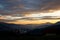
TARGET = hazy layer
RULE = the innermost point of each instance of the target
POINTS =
(35, 21)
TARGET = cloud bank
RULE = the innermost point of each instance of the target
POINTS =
(19, 6)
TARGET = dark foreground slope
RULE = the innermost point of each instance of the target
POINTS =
(13, 31)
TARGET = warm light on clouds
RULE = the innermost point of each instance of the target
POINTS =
(54, 13)
(24, 22)
(40, 8)
(39, 21)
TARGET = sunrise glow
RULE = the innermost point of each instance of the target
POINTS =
(40, 21)
(55, 13)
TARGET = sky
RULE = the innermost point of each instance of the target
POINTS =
(21, 6)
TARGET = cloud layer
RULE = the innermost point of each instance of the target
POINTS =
(18, 6)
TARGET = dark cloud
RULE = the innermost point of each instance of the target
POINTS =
(17, 6)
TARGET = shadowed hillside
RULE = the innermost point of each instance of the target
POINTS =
(44, 31)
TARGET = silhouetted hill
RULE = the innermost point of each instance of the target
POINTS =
(12, 27)
(54, 28)
(19, 31)
(21, 28)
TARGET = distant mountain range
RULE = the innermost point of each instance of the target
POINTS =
(43, 31)
(51, 29)
(22, 28)
(33, 29)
